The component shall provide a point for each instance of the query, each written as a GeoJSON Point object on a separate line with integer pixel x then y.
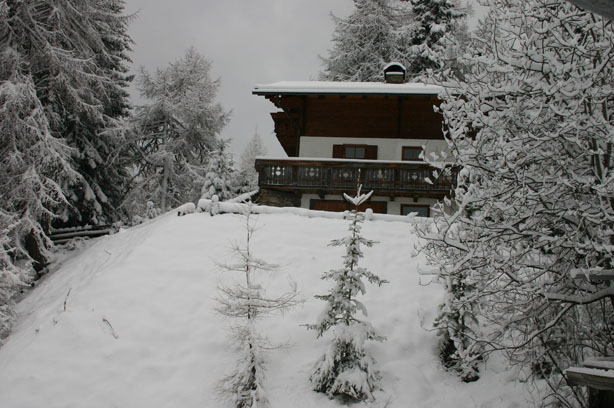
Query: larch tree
{"type": "Point", "coordinates": [245, 302]}
{"type": "Point", "coordinates": [346, 369]}
{"type": "Point", "coordinates": [528, 235]}
{"type": "Point", "coordinates": [174, 133]}
{"type": "Point", "coordinates": [375, 34]}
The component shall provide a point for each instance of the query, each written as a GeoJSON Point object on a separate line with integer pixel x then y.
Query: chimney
{"type": "Point", "coordinates": [394, 73]}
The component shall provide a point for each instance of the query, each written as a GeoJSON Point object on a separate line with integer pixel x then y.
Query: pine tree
{"type": "Point", "coordinates": [173, 135]}
{"type": "Point", "coordinates": [375, 34]}
{"type": "Point", "coordinates": [347, 369]}
{"type": "Point", "coordinates": [434, 18]}
{"type": "Point", "coordinates": [219, 174]}
{"type": "Point", "coordinates": [74, 55]}
{"type": "Point", "coordinates": [246, 303]}
{"type": "Point", "coordinates": [530, 125]}
{"type": "Point", "coordinates": [62, 65]}
{"type": "Point", "coordinates": [104, 174]}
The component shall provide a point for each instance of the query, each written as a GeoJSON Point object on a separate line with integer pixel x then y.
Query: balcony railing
{"type": "Point", "coordinates": [326, 175]}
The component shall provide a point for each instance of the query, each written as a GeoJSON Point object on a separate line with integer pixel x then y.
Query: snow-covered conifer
{"type": "Point", "coordinates": [248, 176]}
{"type": "Point", "coordinates": [219, 174]}
{"type": "Point", "coordinates": [530, 126]}
{"type": "Point", "coordinates": [73, 54]}
{"type": "Point", "coordinates": [245, 302]}
{"type": "Point", "coordinates": [173, 134]}
{"type": "Point", "coordinates": [455, 324]}
{"type": "Point", "coordinates": [375, 34]}
{"type": "Point", "coordinates": [346, 369]}
{"type": "Point", "coordinates": [433, 19]}
{"type": "Point", "coordinates": [36, 168]}
{"type": "Point", "coordinates": [12, 277]}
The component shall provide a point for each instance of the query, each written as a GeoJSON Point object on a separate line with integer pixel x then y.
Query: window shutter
{"type": "Point", "coordinates": [371, 153]}
{"type": "Point", "coordinates": [338, 152]}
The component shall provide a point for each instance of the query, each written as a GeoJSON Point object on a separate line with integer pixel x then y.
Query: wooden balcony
{"type": "Point", "coordinates": [335, 176]}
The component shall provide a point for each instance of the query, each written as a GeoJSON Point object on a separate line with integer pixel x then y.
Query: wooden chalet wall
{"type": "Point", "coordinates": [355, 116]}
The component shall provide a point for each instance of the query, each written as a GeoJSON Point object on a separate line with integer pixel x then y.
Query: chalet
{"type": "Point", "coordinates": [341, 134]}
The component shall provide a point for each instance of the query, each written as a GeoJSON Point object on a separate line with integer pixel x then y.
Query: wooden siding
{"type": "Point", "coordinates": [418, 118]}
{"type": "Point", "coordinates": [355, 116]}
{"type": "Point", "coordinates": [290, 122]}
{"type": "Point", "coordinates": [352, 116]}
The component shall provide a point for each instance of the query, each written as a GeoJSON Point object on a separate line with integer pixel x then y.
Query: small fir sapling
{"type": "Point", "coordinates": [219, 174]}
{"type": "Point", "coordinates": [455, 321]}
{"type": "Point", "coordinates": [244, 302]}
{"type": "Point", "coordinates": [346, 370]}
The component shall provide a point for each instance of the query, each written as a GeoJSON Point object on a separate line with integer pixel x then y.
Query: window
{"type": "Point", "coordinates": [355, 151]}
{"type": "Point", "coordinates": [352, 152]}
{"type": "Point", "coordinates": [412, 153]}
{"type": "Point", "coordinates": [422, 210]}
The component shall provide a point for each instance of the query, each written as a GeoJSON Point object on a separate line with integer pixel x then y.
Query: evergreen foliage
{"type": "Point", "coordinates": [455, 323]}
{"type": "Point", "coordinates": [73, 54]}
{"type": "Point", "coordinates": [61, 86]}
{"type": "Point", "coordinates": [219, 174]}
{"type": "Point", "coordinates": [173, 134]}
{"type": "Point", "coordinates": [529, 123]}
{"type": "Point", "coordinates": [248, 176]}
{"type": "Point", "coordinates": [346, 369]}
{"type": "Point", "coordinates": [375, 34]}
{"type": "Point", "coordinates": [245, 302]}
{"type": "Point", "coordinates": [433, 19]}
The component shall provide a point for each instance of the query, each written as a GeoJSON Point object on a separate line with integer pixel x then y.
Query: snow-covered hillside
{"type": "Point", "coordinates": [129, 322]}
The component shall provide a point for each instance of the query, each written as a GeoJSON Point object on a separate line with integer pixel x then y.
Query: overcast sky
{"type": "Point", "coordinates": [249, 42]}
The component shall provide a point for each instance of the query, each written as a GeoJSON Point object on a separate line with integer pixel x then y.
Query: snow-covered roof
{"type": "Point", "coordinates": [345, 88]}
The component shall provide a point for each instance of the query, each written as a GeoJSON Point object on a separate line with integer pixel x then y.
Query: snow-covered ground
{"type": "Point", "coordinates": [138, 327]}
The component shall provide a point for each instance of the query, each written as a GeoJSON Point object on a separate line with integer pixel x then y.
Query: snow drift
{"type": "Point", "coordinates": [129, 321]}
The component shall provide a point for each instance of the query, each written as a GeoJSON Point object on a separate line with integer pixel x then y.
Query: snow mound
{"type": "Point", "coordinates": [130, 320]}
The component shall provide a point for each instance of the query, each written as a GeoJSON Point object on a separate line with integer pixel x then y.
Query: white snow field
{"type": "Point", "coordinates": [138, 328]}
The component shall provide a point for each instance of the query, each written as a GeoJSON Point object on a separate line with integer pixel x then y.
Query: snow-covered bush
{"type": "Point", "coordinates": [245, 302]}
{"type": "Point", "coordinates": [187, 208]}
{"type": "Point", "coordinates": [530, 125]}
{"type": "Point", "coordinates": [12, 277]}
{"type": "Point", "coordinates": [346, 369]}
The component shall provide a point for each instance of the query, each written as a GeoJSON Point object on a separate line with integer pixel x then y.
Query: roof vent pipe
{"type": "Point", "coordinates": [394, 73]}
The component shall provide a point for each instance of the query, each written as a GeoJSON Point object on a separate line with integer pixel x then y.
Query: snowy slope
{"type": "Point", "coordinates": [139, 330]}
